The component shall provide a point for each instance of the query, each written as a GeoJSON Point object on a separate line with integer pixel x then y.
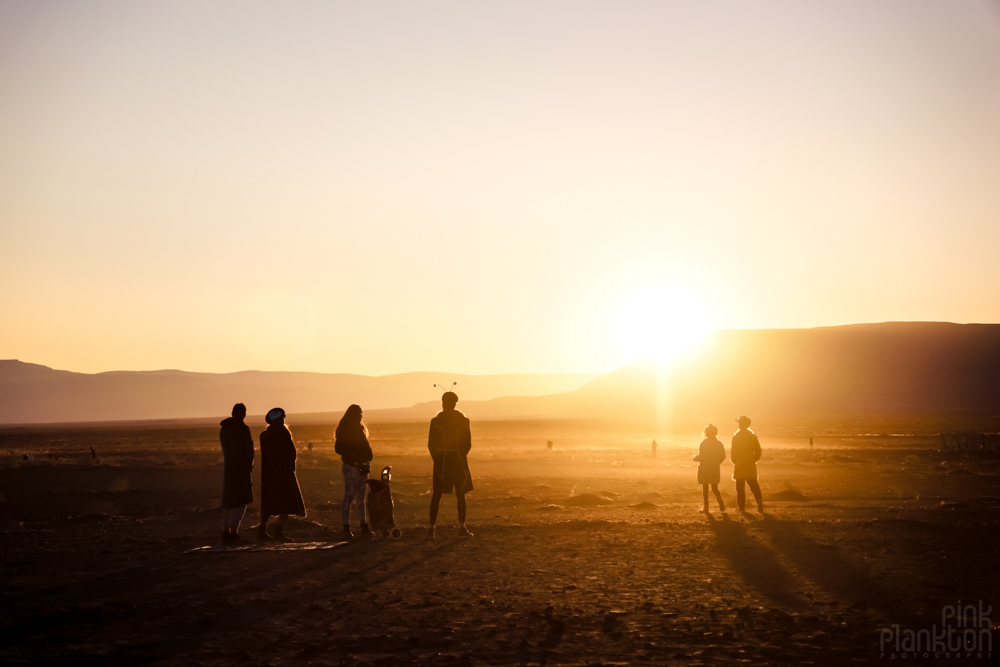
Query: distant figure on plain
{"type": "Point", "coordinates": [654, 450]}
{"type": "Point", "coordinates": [237, 489]}
{"type": "Point", "coordinates": [93, 452]}
{"type": "Point", "coordinates": [449, 441]}
{"type": "Point", "coordinates": [548, 443]}
{"type": "Point", "coordinates": [356, 454]}
{"type": "Point", "coordinates": [279, 489]}
{"type": "Point", "coordinates": [745, 454]}
{"type": "Point", "coordinates": [711, 454]}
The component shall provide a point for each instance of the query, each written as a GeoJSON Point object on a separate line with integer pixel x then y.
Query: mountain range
{"type": "Point", "coordinates": [861, 369]}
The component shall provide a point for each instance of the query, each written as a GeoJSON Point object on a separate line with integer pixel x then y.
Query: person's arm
{"type": "Point", "coordinates": [757, 453]}
{"type": "Point", "coordinates": [466, 440]}
{"type": "Point", "coordinates": [248, 445]}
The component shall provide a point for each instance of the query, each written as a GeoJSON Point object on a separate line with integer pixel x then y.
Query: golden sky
{"type": "Point", "coordinates": [484, 187]}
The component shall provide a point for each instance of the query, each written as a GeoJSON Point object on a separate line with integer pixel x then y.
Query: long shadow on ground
{"type": "Point", "coordinates": [754, 562]}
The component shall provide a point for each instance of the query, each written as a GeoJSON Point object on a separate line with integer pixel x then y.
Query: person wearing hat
{"type": "Point", "coordinates": [279, 489]}
{"type": "Point", "coordinates": [745, 453]}
{"type": "Point", "coordinates": [449, 441]}
{"type": "Point", "coordinates": [237, 489]}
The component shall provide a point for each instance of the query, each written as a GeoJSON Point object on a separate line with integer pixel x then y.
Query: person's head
{"type": "Point", "coordinates": [743, 421]}
{"type": "Point", "coordinates": [352, 420]}
{"type": "Point", "coordinates": [448, 400]}
{"type": "Point", "coordinates": [711, 431]}
{"type": "Point", "coordinates": [239, 411]}
{"type": "Point", "coordinates": [275, 417]}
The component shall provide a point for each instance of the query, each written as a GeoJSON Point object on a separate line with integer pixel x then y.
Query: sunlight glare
{"type": "Point", "coordinates": [661, 321]}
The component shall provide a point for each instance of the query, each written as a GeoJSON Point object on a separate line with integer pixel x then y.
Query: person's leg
{"type": "Point", "coordinates": [462, 529]}
{"type": "Point", "coordinates": [460, 497]}
{"type": "Point", "coordinates": [718, 496]}
{"type": "Point", "coordinates": [279, 530]}
{"type": "Point", "coordinates": [345, 506]}
{"type": "Point", "coordinates": [704, 493]}
{"type": "Point", "coordinates": [755, 488]}
{"type": "Point", "coordinates": [262, 528]}
{"type": "Point", "coordinates": [435, 505]}
{"type": "Point", "coordinates": [741, 494]}
{"type": "Point", "coordinates": [360, 497]}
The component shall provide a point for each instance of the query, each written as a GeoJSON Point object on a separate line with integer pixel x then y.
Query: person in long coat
{"type": "Point", "coordinates": [449, 441]}
{"type": "Point", "coordinates": [745, 454]}
{"type": "Point", "coordinates": [237, 489]}
{"type": "Point", "coordinates": [356, 455]}
{"type": "Point", "coordinates": [711, 454]}
{"type": "Point", "coordinates": [279, 489]}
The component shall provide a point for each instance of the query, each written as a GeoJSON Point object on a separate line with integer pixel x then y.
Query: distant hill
{"type": "Point", "coordinates": [30, 393]}
{"type": "Point", "coordinates": [864, 369]}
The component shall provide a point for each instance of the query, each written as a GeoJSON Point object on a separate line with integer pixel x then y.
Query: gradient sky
{"type": "Point", "coordinates": [479, 187]}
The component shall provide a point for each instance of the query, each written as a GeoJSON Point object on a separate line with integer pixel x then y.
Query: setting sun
{"type": "Point", "coordinates": [661, 321]}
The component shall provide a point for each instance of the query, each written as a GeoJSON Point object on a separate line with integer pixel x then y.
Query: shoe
{"type": "Point", "coordinates": [366, 531]}
{"type": "Point", "coordinates": [227, 537]}
{"type": "Point", "coordinates": [464, 532]}
{"type": "Point", "coordinates": [347, 532]}
{"type": "Point", "coordinates": [279, 535]}
{"type": "Point", "coordinates": [430, 533]}
{"type": "Point", "coordinates": [262, 535]}
{"type": "Point", "coordinates": [760, 509]}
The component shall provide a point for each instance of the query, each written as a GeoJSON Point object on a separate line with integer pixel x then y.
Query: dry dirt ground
{"type": "Point", "coordinates": [592, 553]}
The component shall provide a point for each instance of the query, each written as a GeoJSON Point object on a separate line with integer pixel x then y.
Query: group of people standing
{"type": "Point", "coordinates": [449, 442]}
{"type": "Point", "coordinates": [745, 453]}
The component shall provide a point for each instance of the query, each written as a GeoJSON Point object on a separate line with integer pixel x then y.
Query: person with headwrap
{"type": "Point", "coordinates": [449, 441]}
{"type": "Point", "coordinates": [237, 489]}
{"type": "Point", "coordinates": [356, 454]}
{"type": "Point", "coordinates": [279, 489]}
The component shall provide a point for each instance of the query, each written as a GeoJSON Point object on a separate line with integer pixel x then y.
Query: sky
{"type": "Point", "coordinates": [377, 188]}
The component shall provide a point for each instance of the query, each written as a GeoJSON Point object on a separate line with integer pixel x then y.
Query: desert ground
{"type": "Point", "coordinates": [591, 553]}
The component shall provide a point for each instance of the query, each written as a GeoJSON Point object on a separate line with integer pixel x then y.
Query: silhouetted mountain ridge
{"type": "Point", "coordinates": [887, 368]}
{"type": "Point", "coordinates": [31, 393]}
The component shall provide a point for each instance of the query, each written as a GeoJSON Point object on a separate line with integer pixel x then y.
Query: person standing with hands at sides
{"type": "Point", "coordinates": [356, 453]}
{"type": "Point", "coordinates": [237, 489]}
{"type": "Point", "coordinates": [279, 489]}
{"type": "Point", "coordinates": [711, 454]}
{"type": "Point", "coordinates": [745, 454]}
{"type": "Point", "coordinates": [449, 442]}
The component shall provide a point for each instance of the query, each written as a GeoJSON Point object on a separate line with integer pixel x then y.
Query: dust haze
{"type": "Point", "coordinates": [588, 552]}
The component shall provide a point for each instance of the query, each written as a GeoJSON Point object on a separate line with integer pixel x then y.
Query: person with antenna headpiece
{"type": "Point", "coordinates": [449, 441]}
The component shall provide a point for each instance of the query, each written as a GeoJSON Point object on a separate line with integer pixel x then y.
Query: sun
{"type": "Point", "coordinates": [661, 321]}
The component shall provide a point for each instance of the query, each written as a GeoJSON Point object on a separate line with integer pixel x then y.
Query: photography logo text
{"type": "Point", "coordinates": [966, 632]}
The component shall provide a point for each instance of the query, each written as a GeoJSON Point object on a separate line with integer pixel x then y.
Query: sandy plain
{"type": "Point", "coordinates": [593, 553]}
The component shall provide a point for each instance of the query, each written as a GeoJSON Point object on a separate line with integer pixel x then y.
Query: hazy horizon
{"type": "Point", "coordinates": [509, 187]}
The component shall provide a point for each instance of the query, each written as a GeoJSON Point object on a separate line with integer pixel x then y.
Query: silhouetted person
{"type": "Point", "coordinates": [449, 442]}
{"type": "Point", "coordinates": [356, 453]}
{"type": "Point", "coordinates": [93, 453]}
{"type": "Point", "coordinates": [548, 443]}
{"type": "Point", "coordinates": [237, 489]}
{"type": "Point", "coordinates": [654, 449]}
{"type": "Point", "coordinates": [279, 489]}
{"type": "Point", "coordinates": [711, 454]}
{"type": "Point", "coordinates": [745, 454]}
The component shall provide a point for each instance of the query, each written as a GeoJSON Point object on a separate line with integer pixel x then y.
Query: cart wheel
{"type": "Point", "coordinates": [396, 533]}
{"type": "Point", "coordinates": [385, 533]}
